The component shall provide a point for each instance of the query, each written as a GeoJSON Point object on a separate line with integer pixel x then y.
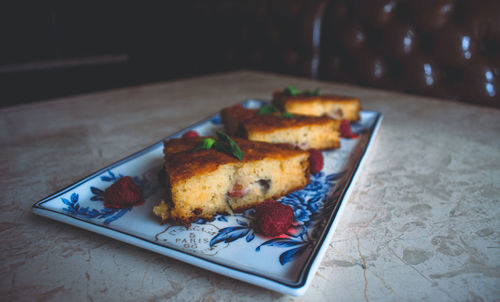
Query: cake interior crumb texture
{"type": "Point", "coordinates": [319, 136]}
{"type": "Point", "coordinates": [305, 132]}
{"type": "Point", "coordinates": [338, 107]}
{"type": "Point", "coordinates": [204, 189]}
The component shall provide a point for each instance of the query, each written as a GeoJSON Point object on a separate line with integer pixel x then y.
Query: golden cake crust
{"type": "Point", "coordinates": [270, 122]}
{"type": "Point", "coordinates": [279, 97]}
{"type": "Point", "coordinates": [182, 163]}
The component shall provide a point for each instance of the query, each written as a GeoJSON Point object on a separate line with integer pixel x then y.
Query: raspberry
{"type": "Point", "coordinates": [273, 218]}
{"type": "Point", "coordinates": [191, 133]}
{"type": "Point", "coordinates": [315, 160]}
{"type": "Point", "coordinates": [123, 193]}
{"type": "Point", "coordinates": [345, 129]}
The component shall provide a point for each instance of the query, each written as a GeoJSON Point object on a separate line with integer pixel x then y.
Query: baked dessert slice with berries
{"type": "Point", "coordinates": [269, 125]}
{"type": "Point", "coordinates": [203, 181]}
{"type": "Point", "coordinates": [316, 104]}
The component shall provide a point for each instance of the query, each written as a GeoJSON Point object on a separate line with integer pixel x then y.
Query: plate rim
{"type": "Point", "coordinates": [296, 288]}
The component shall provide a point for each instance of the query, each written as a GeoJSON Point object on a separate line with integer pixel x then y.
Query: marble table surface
{"type": "Point", "coordinates": [421, 224]}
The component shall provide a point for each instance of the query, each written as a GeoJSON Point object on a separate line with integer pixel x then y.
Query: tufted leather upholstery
{"type": "Point", "coordinates": [444, 48]}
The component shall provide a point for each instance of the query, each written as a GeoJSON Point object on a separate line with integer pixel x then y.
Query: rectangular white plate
{"type": "Point", "coordinates": [227, 245]}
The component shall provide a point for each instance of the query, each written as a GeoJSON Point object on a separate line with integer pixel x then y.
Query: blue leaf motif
{"type": "Point", "coordinates": [216, 120]}
{"type": "Point", "coordinates": [111, 177]}
{"type": "Point", "coordinates": [292, 254]}
{"type": "Point", "coordinates": [299, 207]}
{"type": "Point", "coordinates": [242, 223]}
{"type": "Point", "coordinates": [250, 236]}
{"type": "Point", "coordinates": [229, 234]}
{"type": "Point", "coordinates": [222, 218]}
{"type": "Point", "coordinates": [67, 202]}
{"type": "Point", "coordinates": [315, 203]}
{"type": "Point", "coordinates": [314, 186]}
{"type": "Point", "coordinates": [248, 214]}
{"type": "Point", "coordinates": [96, 191]}
{"type": "Point", "coordinates": [321, 174]}
{"type": "Point", "coordinates": [279, 242]}
{"type": "Point", "coordinates": [335, 176]}
{"type": "Point", "coordinates": [117, 215]}
{"type": "Point", "coordinates": [94, 213]}
{"type": "Point", "coordinates": [109, 214]}
{"type": "Point", "coordinates": [301, 213]}
{"type": "Point", "coordinates": [294, 198]}
{"type": "Point", "coordinates": [356, 128]}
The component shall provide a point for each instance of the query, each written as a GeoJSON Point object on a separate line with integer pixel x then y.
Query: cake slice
{"type": "Point", "coordinates": [337, 107]}
{"type": "Point", "coordinates": [202, 183]}
{"type": "Point", "coordinates": [306, 132]}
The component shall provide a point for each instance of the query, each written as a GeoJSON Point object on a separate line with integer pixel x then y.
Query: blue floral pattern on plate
{"type": "Point", "coordinates": [74, 208]}
{"type": "Point", "coordinates": [306, 205]}
{"type": "Point", "coordinates": [228, 244]}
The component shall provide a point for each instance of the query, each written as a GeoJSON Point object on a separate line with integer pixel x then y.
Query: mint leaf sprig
{"type": "Point", "coordinates": [268, 109]}
{"type": "Point", "coordinates": [228, 145]}
{"type": "Point", "coordinates": [271, 109]}
{"type": "Point", "coordinates": [292, 91]}
{"type": "Point", "coordinates": [224, 143]}
{"type": "Point", "coordinates": [204, 144]}
{"type": "Point", "coordinates": [287, 115]}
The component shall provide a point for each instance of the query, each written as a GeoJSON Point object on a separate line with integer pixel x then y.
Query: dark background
{"type": "Point", "coordinates": [443, 48]}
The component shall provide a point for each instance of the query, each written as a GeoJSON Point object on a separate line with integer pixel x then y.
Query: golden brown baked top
{"type": "Point", "coordinates": [279, 98]}
{"type": "Point", "coordinates": [182, 163]}
{"type": "Point", "coordinates": [238, 112]}
{"type": "Point", "coordinates": [252, 121]}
